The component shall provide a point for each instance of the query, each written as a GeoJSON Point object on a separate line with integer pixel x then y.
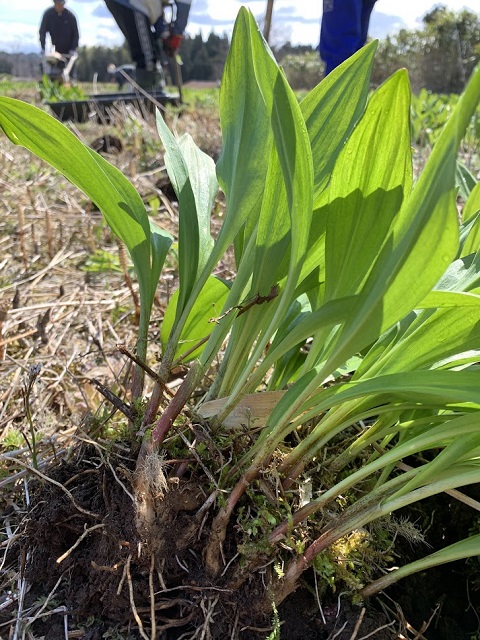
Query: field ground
{"type": "Point", "coordinates": [67, 301]}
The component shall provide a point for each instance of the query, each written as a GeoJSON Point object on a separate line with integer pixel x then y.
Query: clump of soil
{"type": "Point", "coordinates": [81, 542]}
{"type": "Point", "coordinates": [449, 594]}
{"type": "Point", "coordinates": [81, 549]}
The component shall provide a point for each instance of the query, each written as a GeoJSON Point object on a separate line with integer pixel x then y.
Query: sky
{"type": "Point", "coordinates": [297, 21]}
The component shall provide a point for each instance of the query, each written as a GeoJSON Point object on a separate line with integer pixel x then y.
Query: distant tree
{"type": "Point", "coordinates": [403, 50]}
{"type": "Point", "coordinates": [217, 51]}
{"type": "Point", "coordinates": [25, 65]}
{"type": "Point", "coordinates": [202, 68]}
{"type": "Point", "coordinates": [304, 70]}
{"type": "Point", "coordinates": [288, 48]}
{"type": "Point", "coordinates": [197, 45]}
{"type": "Point", "coordinates": [452, 48]}
{"type": "Point", "coordinates": [93, 62]}
{"type": "Point", "coordinates": [204, 60]}
{"type": "Point", "coordinates": [212, 45]}
{"type": "Point", "coordinates": [6, 65]}
{"type": "Point", "coordinates": [440, 57]}
{"type": "Point", "coordinates": [186, 56]}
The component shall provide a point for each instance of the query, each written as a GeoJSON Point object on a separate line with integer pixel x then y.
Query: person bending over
{"type": "Point", "coordinates": [144, 27]}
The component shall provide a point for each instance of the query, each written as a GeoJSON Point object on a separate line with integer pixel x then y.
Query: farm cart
{"type": "Point", "coordinates": [99, 106]}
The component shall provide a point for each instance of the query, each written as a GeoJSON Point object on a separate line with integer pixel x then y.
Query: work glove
{"type": "Point", "coordinates": [172, 44]}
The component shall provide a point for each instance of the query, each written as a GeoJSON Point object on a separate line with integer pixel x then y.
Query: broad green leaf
{"type": "Point", "coordinates": [104, 184]}
{"type": "Point", "coordinates": [462, 275]}
{"type": "Point", "coordinates": [282, 367]}
{"type": "Point", "coordinates": [465, 181]}
{"type": "Point", "coordinates": [286, 209]}
{"type": "Point", "coordinates": [423, 242]}
{"type": "Point", "coordinates": [429, 387]}
{"type": "Point", "coordinates": [462, 445]}
{"type": "Point", "coordinates": [161, 243]}
{"type": "Point", "coordinates": [247, 331]}
{"type": "Point", "coordinates": [369, 182]}
{"type": "Point", "coordinates": [332, 109]}
{"type": "Point", "coordinates": [329, 126]}
{"type": "Point", "coordinates": [295, 160]}
{"type": "Point", "coordinates": [471, 213]}
{"type": "Point", "coordinates": [465, 229]}
{"type": "Point", "coordinates": [409, 264]}
{"type": "Point", "coordinates": [312, 276]}
{"type": "Point", "coordinates": [447, 299]}
{"type": "Point", "coordinates": [457, 437]}
{"type": "Point", "coordinates": [192, 173]}
{"type": "Point", "coordinates": [434, 336]}
{"type": "Point", "coordinates": [328, 315]}
{"type": "Point", "coordinates": [273, 237]}
{"type": "Point", "coordinates": [351, 401]}
{"type": "Point", "coordinates": [246, 134]}
{"type": "Point", "coordinates": [287, 368]}
{"type": "Point", "coordinates": [201, 319]}
{"type": "Point", "coordinates": [472, 205]}
{"type": "Point", "coordinates": [463, 474]}
{"type": "Point", "coordinates": [241, 170]}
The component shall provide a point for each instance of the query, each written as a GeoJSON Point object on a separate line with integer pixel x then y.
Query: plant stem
{"type": "Point", "coordinates": [32, 376]}
{"type": "Point", "coordinates": [177, 403]}
{"type": "Point", "coordinates": [220, 523]}
{"type": "Point", "coordinates": [374, 505]}
{"type": "Point", "coordinates": [463, 549]}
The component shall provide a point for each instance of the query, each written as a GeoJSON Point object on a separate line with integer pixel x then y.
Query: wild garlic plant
{"type": "Point", "coordinates": [344, 264]}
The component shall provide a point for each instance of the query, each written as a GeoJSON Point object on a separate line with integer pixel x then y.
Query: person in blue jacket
{"type": "Point", "coordinates": [344, 30]}
{"type": "Point", "coordinates": [144, 27]}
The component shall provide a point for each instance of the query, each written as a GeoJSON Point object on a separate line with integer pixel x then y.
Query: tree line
{"type": "Point", "coordinates": [439, 56]}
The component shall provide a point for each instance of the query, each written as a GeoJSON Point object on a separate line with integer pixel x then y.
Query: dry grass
{"type": "Point", "coordinates": [66, 295]}
{"type": "Point", "coordinates": [68, 298]}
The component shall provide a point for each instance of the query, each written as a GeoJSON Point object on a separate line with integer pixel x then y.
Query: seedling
{"type": "Point", "coordinates": [343, 264]}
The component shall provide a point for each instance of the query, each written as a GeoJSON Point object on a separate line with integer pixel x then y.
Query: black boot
{"type": "Point", "coordinates": [152, 81]}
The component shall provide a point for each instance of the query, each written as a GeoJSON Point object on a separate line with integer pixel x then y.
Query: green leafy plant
{"type": "Point", "coordinates": [51, 91]}
{"type": "Point", "coordinates": [348, 339]}
{"type": "Point", "coordinates": [13, 439]}
{"type": "Point", "coordinates": [101, 261]}
{"type": "Point", "coordinates": [430, 113]}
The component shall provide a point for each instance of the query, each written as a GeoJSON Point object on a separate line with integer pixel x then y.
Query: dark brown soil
{"type": "Point", "coordinates": [101, 580]}
{"type": "Point", "coordinates": [451, 592]}
{"type": "Point", "coordinates": [302, 619]}
{"type": "Point", "coordinates": [81, 545]}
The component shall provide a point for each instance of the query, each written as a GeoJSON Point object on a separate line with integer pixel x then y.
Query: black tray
{"type": "Point", "coordinates": [98, 106]}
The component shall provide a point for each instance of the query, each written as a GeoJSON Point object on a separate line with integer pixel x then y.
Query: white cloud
{"type": "Point", "coordinates": [294, 20]}
{"type": "Point", "coordinates": [411, 11]}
